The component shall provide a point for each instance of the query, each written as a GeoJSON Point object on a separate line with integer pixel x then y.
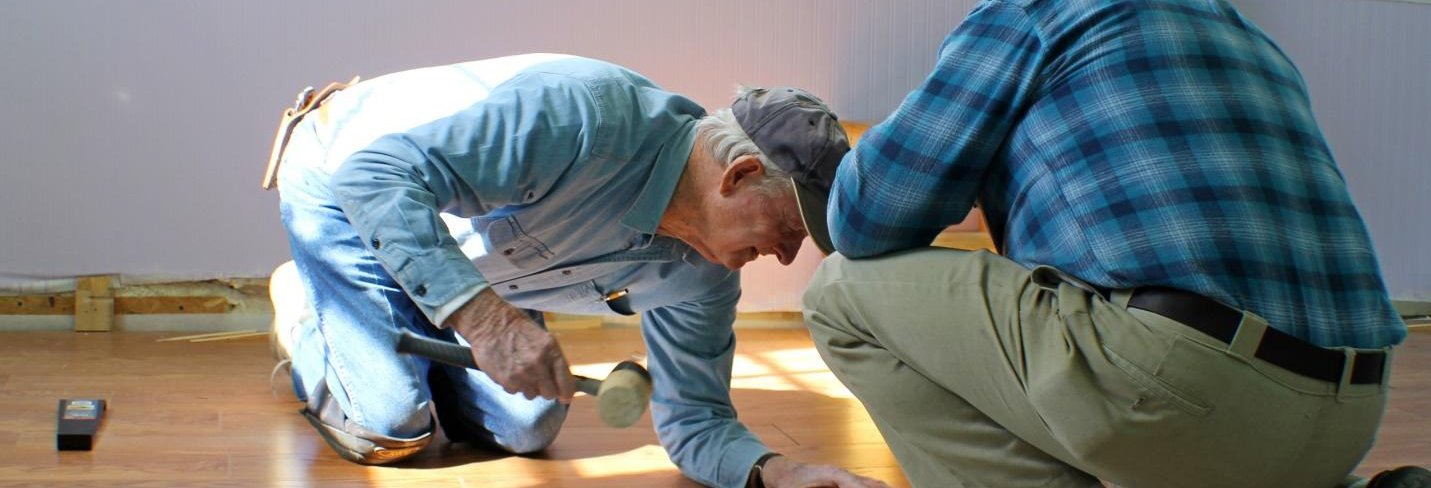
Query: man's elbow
{"type": "Point", "coordinates": [364, 173]}
{"type": "Point", "coordinates": [346, 182]}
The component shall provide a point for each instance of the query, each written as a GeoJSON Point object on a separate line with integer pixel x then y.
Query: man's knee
{"type": "Point", "coordinates": [531, 431]}
{"type": "Point", "coordinates": [825, 274]}
{"type": "Point", "coordinates": [399, 423]}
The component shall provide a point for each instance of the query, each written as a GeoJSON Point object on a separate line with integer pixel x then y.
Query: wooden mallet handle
{"type": "Point", "coordinates": [620, 399]}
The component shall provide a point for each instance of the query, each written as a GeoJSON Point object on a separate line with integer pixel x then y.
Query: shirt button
{"type": "Point", "coordinates": [566, 272]}
{"type": "Point", "coordinates": [508, 251]}
{"type": "Point", "coordinates": [377, 244]}
{"type": "Point", "coordinates": [420, 291]}
{"type": "Point", "coordinates": [511, 287]}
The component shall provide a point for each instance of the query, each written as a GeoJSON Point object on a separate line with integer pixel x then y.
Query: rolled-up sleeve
{"type": "Point", "coordinates": [508, 149]}
{"type": "Point", "coordinates": [691, 350]}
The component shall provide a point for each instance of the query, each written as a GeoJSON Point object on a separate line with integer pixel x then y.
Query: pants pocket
{"type": "Point", "coordinates": [1155, 389]}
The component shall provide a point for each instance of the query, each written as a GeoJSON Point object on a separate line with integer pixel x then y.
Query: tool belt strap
{"type": "Point", "coordinates": [308, 100]}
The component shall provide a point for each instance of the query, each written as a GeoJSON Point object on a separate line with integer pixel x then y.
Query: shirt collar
{"type": "Point", "coordinates": [645, 215]}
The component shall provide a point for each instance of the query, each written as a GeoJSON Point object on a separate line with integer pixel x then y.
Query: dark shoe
{"type": "Point", "coordinates": [1403, 477]}
{"type": "Point", "coordinates": [352, 441]}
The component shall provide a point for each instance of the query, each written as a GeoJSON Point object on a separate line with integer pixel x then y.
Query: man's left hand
{"type": "Point", "coordinates": [783, 472]}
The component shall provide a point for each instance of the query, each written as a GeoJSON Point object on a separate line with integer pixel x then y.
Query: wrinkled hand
{"type": "Point", "coordinates": [512, 349]}
{"type": "Point", "coordinates": [783, 472]}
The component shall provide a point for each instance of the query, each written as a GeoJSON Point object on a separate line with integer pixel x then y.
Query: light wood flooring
{"type": "Point", "coordinates": [202, 414]}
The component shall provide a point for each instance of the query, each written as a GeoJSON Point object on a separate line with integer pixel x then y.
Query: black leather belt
{"type": "Point", "coordinates": [1277, 347]}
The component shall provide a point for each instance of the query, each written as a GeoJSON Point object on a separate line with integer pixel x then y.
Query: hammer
{"type": "Point", "coordinates": [620, 399]}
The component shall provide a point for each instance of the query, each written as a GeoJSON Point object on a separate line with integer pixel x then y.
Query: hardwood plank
{"type": "Point", "coordinates": [964, 240]}
{"type": "Point", "coordinates": [106, 465]}
{"type": "Point", "coordinates": [202, 414]}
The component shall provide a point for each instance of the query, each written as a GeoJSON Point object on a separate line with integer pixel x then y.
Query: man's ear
{"type": "Point", "coordinates": [745, 169]}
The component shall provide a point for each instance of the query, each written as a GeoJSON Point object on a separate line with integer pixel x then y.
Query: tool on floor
{"type": "Point", "coordinates": [620, 399]}
{"type": "Point", "coordinates": [77, 422]}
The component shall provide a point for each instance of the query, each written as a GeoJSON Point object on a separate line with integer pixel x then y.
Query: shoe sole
{"type": "Point", "coordinates": [1405, 477]}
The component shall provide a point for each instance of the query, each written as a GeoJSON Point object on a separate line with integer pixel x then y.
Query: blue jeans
{"type": "Point", "coordinates": [360, 312]}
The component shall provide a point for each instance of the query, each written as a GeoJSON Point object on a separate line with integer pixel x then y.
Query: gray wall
{"type": "Point", "coordinates": [134, 132]}
{"type": "Point", "coordinates": [1368, 66]}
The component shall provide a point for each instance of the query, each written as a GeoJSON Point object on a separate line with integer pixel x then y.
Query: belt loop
{"type": "Point", "coordinates": [1348, 363]}
{"type": "Point", "coordinates": [1121, 297]}
{"type": "Point", "coordinates": [1076, 282]}
{"type": "Point", "coordinates": [1249, 336]}
{"type": "Point", "coordinates": [1046, 277]}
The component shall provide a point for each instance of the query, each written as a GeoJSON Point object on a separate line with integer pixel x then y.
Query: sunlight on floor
{"type": "Point", "coordinates": [516, 472]}
{"type": "Point", "coordinates": [644, 459]}
{"type": "Point", "coordinates": [797, 369]}
{"type": "Point", "coordinates": [291, 470]}
{"type": "Point", "coordinates": [788, 369]}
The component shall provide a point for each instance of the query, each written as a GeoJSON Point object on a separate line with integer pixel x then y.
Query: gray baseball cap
{"type": "Point", "coordinates": [800, 135]}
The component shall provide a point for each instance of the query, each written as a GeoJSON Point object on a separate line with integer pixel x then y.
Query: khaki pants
{"type": "Point", "coordinates": [980, 372]}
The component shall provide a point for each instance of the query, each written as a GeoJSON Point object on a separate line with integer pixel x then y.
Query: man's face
{"type": "Point", "coordinates": [754, 223]}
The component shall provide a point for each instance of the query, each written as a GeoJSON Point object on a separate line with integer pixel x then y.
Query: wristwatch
{"type": "Point", "coordinates": [757, 472]}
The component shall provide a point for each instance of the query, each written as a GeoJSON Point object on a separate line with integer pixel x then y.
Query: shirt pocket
{"type": "Point", "coordinates": [507, 241]}
{"type": "Point", "coordinates": [576, 298]}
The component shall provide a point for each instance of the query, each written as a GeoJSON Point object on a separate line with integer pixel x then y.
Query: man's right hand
{"type": "Point", "coordinates": [512, 349]}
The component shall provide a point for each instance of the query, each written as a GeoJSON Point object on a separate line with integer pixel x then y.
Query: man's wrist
{"type": "Point", "coordinates": [757, 471]}
{"type": "Point", "coordinates": [479, 315]}
{"type": "Point", "coordinates": [446, 311]}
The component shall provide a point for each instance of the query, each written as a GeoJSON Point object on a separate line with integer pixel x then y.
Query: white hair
{"type": "Point", "coordinates": [723, 138]}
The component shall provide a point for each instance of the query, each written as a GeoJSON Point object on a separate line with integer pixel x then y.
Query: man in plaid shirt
{"type": "Point", "coordinates": [1187, 296]}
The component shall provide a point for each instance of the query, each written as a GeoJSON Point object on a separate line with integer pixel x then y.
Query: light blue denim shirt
{"type": "Point", "coordinates": [561, 168]}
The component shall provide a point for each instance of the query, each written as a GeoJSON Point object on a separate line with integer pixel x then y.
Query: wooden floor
{"type": "Point", "coordinates": [202, 414]}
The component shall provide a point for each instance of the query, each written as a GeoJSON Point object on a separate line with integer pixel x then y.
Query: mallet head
{"type": "Point", "coordinates": [624, 394]}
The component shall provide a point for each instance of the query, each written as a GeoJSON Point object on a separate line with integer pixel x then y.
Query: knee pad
{"type": "Point", "coordinates": [352, 441]}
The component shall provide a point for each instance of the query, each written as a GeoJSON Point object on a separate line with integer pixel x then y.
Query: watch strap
{"type": "Point", "coordinates": [757, 471]}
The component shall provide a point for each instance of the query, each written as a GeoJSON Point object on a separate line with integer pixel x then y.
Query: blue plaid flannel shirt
{"type": "Point", "coordinates": [1128, 143]}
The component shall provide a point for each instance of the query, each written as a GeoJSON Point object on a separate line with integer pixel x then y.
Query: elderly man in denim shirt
{"type": "Point", "coordinates": [577, 180]}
